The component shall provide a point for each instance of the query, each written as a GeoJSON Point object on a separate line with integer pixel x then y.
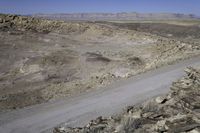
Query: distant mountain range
{"type": "Point", "coordinates": [117, 16]}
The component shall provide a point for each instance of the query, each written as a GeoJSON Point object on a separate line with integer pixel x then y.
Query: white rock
{"type": "Point", "coordinates": [160, 99]}
{"type": "Point", "coordinates": [194, 131]}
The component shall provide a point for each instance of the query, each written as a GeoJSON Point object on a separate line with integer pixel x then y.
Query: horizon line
{"type": "Point", "coordinates": [103, 13]}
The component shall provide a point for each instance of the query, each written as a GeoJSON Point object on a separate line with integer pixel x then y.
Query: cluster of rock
{"type": "Point", "coordinates": [171, 50]}
{"type": "Point", "coordinates": [13, 23]}
{"type": "Point", "coordinates": [176, 112]}
{"type": "Point", "coordinates": [25, 23]}
{"type": "Point", "coordinates": [170, 46]}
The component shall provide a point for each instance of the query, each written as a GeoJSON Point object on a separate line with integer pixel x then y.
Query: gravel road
{"type": "Point", "coordinates": [106, 101]}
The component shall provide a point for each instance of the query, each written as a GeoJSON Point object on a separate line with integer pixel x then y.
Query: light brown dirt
{"type": "Point", "coordinates": [44, 60]}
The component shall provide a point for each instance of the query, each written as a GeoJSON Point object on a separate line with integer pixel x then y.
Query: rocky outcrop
{"type": "Point", "coordinates": [24, 23]}
{"type": "Point", "coordinates": [176, 112]}
{"type": "Point", "coordinates": [16, 23]}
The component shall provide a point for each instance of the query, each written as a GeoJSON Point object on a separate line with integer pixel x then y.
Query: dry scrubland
{"type": "Point", "coordinates": [42, 60]}
{"type": "Point", "coordinates": [175, 112]}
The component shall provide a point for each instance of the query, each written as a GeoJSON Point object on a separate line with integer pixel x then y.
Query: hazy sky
{"type": "Point", "coordinates": [74, 6]}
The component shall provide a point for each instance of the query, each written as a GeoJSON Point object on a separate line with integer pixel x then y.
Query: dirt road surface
{"type": "Point", "coordinates": [104, 102]}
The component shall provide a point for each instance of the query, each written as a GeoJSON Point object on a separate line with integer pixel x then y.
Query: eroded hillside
{"type": "Point", "coordinates": [44, 60]}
